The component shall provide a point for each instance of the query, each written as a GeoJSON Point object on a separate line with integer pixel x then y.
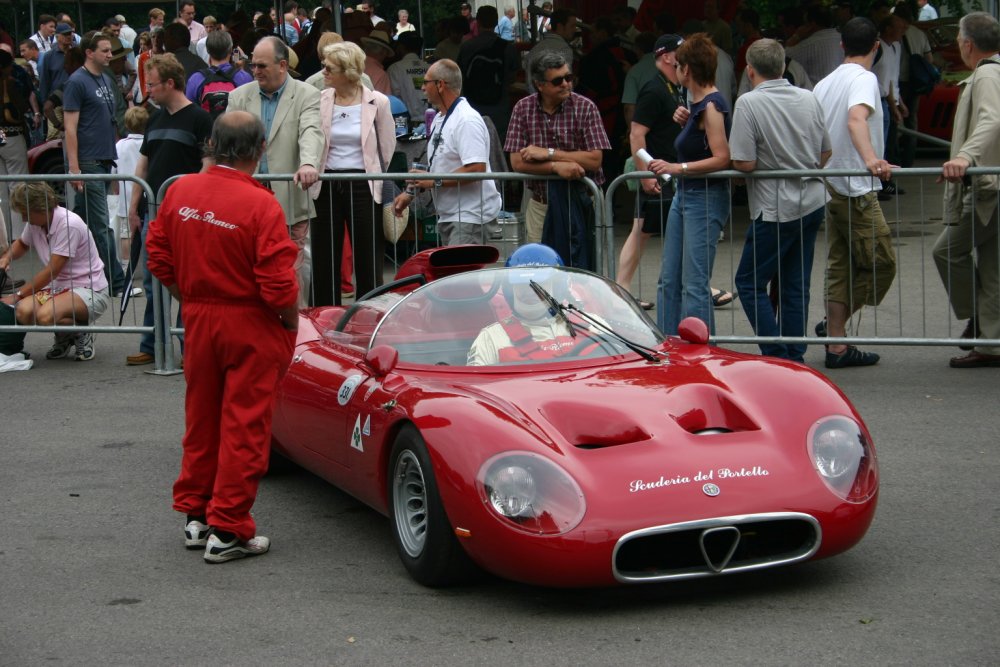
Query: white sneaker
{"type": "Point", "coordinates": [217, 551]}
{"type": "Point", "coordinates": [196, 535]}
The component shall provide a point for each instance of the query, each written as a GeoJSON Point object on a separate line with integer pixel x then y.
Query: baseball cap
{"type": "Point", "coordinates": [64, 29]}
{"type": "Point", "coordinates": [666, 44]}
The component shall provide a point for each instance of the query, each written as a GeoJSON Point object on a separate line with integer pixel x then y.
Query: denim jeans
{"type": "Point", "coordinates": [92, 206]}
{"type": "Point", "coordinates": [696, 219]}
{"type": "Point", "coordinates": [782, 252]}
{"type": "Point", "coordinates": [146, 343]}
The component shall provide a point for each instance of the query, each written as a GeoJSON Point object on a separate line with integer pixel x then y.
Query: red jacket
{"type": "Point", "coordinates": [221, 236]}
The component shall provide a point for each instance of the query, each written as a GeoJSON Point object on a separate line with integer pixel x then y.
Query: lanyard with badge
{"type": "Point", "coordinates": [437, 138]}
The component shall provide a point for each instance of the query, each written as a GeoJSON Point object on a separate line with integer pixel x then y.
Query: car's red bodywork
{"type": "Point", "coordinates": [711, 436]}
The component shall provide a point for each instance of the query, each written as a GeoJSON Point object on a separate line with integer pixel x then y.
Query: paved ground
{"type": "Point", "coordinates": [94, 571]}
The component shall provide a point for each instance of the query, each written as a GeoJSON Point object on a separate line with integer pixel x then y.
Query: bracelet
{"type": "Point", "coordinates": [410, 191]}
{"type": "Point", "coordinates": [74, 173]}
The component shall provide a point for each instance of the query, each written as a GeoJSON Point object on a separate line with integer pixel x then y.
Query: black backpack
{"type": "Point", "coordinates": [483, 81]}
{"type": "Point", "coordinates": [213, 93]}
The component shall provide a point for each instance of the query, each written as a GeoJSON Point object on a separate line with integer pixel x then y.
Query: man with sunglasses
{"type": "Point", "coordinates": [458, 143]}
{"type": "Point", "coordinates": [554, 132]}
{"type": "Point", "coordinates": [289, 110]}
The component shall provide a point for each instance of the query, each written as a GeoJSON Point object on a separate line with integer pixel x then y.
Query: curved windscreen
{"type": "Point", "coordinates": [520, 315]}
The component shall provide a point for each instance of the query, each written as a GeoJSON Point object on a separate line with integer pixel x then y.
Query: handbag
{"type": "Point", "coordinates": [393, 225]}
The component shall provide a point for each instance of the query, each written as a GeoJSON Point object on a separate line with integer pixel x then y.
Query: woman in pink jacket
{"type": "Point", "coordinates": [360, 138]}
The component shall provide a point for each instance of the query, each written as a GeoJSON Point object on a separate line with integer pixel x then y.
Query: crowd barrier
{"type": "Point", "coordinates": [123, 310]}
{"type": "Point", "coordinates": [915, 311]}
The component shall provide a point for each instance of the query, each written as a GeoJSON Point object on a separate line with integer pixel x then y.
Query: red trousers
{"type": "Point", "coordinates": [234, 357]}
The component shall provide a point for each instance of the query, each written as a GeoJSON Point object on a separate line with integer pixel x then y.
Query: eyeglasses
{"type": "Point", "coordinates": [153, 84]}
{"type": "Point", "coordinates": [259, 65]}
{"type": "Point", "coordinates": [426, 81]}
{"type": "Point", "coordinates": [332, 70]}
{"type": "Point", "coordinates": [560, 80]}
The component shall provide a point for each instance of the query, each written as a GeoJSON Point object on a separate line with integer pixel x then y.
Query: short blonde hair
{"type": "Point", "coordinates": [325, 40]}
{"type": "Point", "coordinates": [156, 13]}
{"type": "Point", "coordinates": [349, 57]}
{"type": "Point", "coordinates": [33, 196]}
{"type": "Point", "coordinates": [136, 119]}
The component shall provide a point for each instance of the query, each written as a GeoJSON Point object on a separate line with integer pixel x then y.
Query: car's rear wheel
{"type": "Point", "coordinates": [424, 538]}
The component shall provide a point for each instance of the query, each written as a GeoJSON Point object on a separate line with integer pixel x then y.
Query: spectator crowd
{"type": "Point", "coordinates": [544, 94]}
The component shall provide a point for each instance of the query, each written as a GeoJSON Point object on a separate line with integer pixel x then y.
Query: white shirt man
{"type": "Point", "coordinates": [458, 143]}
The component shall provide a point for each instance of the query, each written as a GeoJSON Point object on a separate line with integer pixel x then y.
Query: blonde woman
{"type": "Point", "coordinates": [70, 289]}
{"type": "Point", "coordinates": [360, 137]}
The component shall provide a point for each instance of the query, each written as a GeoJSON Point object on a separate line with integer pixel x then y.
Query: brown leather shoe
{"type": "Point", "coordinates": [140, 359]}
{"type": "Point", "coordinates": [976, 360]}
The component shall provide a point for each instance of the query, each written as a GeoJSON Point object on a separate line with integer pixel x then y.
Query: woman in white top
{"type": "Point", "coordinates": [360, 137]}
{"type": "Point", "coordinates": [404, 24]}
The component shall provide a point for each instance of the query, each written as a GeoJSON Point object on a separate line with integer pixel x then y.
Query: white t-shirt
{"type": "Point", "coordinates": [847, 86]}
{"type": "Point", "coordinates": [128, 157]}
{"type": "Point", "coordinates": [406, 79]}
{"type": "Point", "coordinates": [886, 70]}
{"type": "Point", "coordinates": [345, 139]}
{"type": "Point", "coordinates": [463, 141]}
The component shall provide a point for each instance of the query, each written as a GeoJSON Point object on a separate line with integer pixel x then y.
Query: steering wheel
{"type": "Point", "coordinates": [417, 278]}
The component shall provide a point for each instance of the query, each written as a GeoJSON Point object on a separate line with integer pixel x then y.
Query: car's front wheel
{"type": "Point", "coordinates": [424, 538]}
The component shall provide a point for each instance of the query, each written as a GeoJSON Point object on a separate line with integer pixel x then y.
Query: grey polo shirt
{"type": "Point", "coordinates": [781, 127]}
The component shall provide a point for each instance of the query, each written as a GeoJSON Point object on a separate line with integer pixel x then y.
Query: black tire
{"type": "Point", "coordinates": [424, 538]}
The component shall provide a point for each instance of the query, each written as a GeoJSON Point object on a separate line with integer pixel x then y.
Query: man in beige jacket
{"type": "Point", "coordinates": [289, 110]}
{"type": "Point", "coordinates": [966, 253]}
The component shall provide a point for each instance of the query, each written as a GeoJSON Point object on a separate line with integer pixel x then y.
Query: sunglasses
{"type": "Point", "coordinates": [333, 70]}
{"type": "Point", "coordinates": [560, 80]}
{"type": "Point", "coordinates": [259, 65]}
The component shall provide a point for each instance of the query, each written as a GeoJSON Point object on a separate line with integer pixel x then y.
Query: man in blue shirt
{"type": "Point", "coordinates": [505, 27]}
{"type": "Point", "coordinates": [89, 102]}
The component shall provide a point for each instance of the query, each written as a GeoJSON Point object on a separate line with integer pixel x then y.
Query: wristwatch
{"type": "Point", "coordinates": [684, 168]}
{"type": "Point", "coordinates": [438, 183]}
{"type": "Point", "coordinates": [552, 153]}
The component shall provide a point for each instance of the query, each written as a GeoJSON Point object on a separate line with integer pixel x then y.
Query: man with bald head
{"type": "Point", "coordinates": [229, 260]}
{"type": "Point", "coordinates": [289, 110]}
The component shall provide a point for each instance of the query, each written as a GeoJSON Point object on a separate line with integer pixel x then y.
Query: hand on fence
{"type": "Point", "coordinates": [953, 170]}
{"type": "Point", "coordinates": [651, 186]}
{"type": "Point", "coordinates": [306, 176]}
{"type": "Point", "coordinates": [880, 168]}
{"type": "Point", "coordinates": [568, 170]}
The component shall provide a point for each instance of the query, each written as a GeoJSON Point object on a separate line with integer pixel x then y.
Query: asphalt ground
{"type": "Point", "coordinates": [94, 570]}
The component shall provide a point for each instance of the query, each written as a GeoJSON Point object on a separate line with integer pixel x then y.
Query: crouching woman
{"type": "Point", "coordinates": [70, 289]}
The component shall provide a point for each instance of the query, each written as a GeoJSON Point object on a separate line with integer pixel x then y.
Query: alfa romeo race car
{"type": "Point", "coordinates": [622, 456]}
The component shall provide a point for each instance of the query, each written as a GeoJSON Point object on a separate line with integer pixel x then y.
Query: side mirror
{"type": "Point", "coordinates": [693, 330]}
{"type": "Point", "coordinates": [382, 359]}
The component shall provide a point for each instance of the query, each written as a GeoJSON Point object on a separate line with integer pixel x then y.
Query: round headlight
{"type": "Point", "coordinates": [512, 491]}
{"type": "Point", "coordinates": [843, 458]}
{"type": "Point", "coordinates": [531, 493]}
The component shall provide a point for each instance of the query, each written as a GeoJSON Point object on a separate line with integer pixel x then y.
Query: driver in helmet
{"type": "Point", "coordinates": [532, 331]}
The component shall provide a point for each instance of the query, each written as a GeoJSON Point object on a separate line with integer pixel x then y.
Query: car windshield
{"type": "Point", "coordinates": [521, 315]}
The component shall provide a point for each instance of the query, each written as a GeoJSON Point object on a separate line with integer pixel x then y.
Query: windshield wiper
{"type": "Point", "coordinates": [559, 310]}
{"type": "Point", "coordinates": [555, 309]}
{"type": "Point", "coordinates": [647, 353]}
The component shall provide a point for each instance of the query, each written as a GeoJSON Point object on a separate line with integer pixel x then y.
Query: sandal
{"type": "Point", "coordinates": [721, 298]}
{"type": "Point", "coordinates": [646, 305]}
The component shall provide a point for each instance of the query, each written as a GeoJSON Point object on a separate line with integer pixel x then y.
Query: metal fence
{"type": "Point", "coordinates": [915, 311]}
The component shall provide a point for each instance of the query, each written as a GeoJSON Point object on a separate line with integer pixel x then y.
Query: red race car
{"type": "Point", "coordinates": [605, 455]}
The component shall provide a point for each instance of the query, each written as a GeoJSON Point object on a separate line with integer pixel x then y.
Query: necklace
{"type": "Point", "coordinates": [344, 100]}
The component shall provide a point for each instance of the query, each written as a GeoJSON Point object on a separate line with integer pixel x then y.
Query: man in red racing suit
{"type": "Point", "coordinates": [220, 245]}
